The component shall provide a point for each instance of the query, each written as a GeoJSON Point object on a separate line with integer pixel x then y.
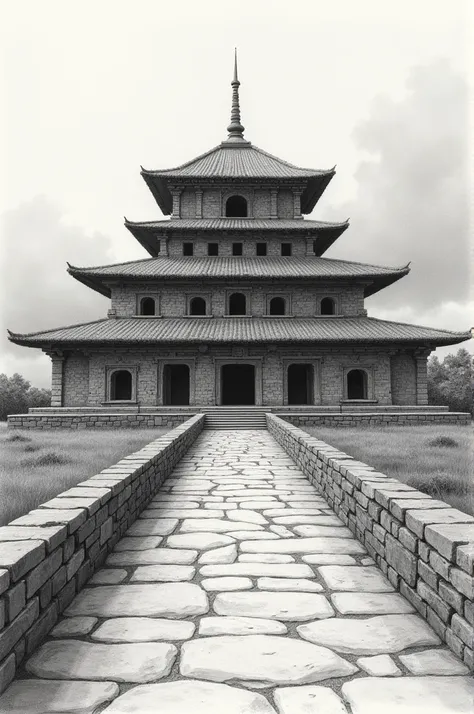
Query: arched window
{"type": "Point", "coordinates": [121, 385]}
{"type": "Point", "coordinates": [237, 304]}
{"type": "Point", "coordinates": [236, 207]}
{"type": "Point", "coordinates": [357, 384]}
{"type": "Point", "coordinates": [328, 306]}
{"type": "Point", "coordinates": [277, 306]}
{"type": "Point", "coordinates": [197, 306]}
{"type": "Point", "coordinates": [147, 306]}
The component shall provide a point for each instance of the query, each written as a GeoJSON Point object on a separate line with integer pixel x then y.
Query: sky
{"type": "Point", "coordinates": [91, 91]}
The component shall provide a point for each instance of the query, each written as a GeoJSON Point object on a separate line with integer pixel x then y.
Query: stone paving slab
{"type": "Point", "coordinates": [239, 591]}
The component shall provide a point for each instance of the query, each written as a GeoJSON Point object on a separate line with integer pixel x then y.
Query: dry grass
{"type": "Point", "coordinates": [436, 460]}
{"type": "Point", "coordinates": [35, 466]}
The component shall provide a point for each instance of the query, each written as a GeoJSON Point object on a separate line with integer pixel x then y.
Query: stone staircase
{"type": "Point", "coordinates": [245, 417]}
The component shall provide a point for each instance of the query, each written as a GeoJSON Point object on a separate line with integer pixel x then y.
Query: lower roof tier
{"type": "Point", "coordinates": [212, 269]}
{"type": "Point", "coordinates": [195, 331]}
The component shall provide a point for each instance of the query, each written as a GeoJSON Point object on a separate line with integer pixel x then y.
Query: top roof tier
{"type": "Point", "coordinates": [237, 160]}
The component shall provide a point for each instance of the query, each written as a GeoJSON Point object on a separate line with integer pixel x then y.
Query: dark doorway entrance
{"type": "Point", "coordinates": [238, 384]}
{"type": "Point", "coordinates": [176, 384]}
{"type": "Point", "coordinates": [300, 384]}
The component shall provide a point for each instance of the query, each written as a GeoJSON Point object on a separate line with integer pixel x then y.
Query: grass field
{"type": "Point", "coordinates": [37, 465]}
{"type": "Point", "coordinates": [436, 460]}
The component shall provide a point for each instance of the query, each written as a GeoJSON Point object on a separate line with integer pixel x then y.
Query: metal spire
{"type": "Point", "coordinates": [235, 128]}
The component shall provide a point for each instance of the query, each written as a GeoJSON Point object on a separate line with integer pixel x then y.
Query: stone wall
{"type": "Point", "coordinates": [95, 421]}
{"type": "Point", "coordinates": [146, 366]}
{"type": "Point", "coordinates": [425, 547]}
{"type": "Point", "coordinates": [377, 418]}
{"type": "Point", "coordinates": [302, 301]}
{"type": "Point", "coordinates": [47, 555]}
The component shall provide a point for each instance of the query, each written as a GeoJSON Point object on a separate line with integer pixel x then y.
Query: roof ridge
{"type": "Point", "coordinates": [287, 163]}
{"type": "Point", "coordinates": [182, 166]}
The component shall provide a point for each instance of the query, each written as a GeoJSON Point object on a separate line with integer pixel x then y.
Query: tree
{"type": "Point", "coordinates": [17, 395]}
{"type": "Point", "coordinates": [451, 382]}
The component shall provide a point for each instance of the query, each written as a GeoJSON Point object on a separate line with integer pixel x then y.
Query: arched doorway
{"type": "Point", "coordinates": [176, 384]}
{"type": "Point", "coordinates": [121, 385]}
{"type": "Point", "coordinates": [300, 384]}
{"type": "Point", "coordinates": [357, 384]}
{"type": "Point", "coordinates": [238, 384]}
{"type": "Point", "coordinates": [236, 207]}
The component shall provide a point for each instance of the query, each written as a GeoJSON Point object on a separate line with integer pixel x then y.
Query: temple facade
{"type": "Point", "coordinates": [236, 304]}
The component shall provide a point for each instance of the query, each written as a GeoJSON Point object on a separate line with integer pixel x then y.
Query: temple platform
{"type": "Point", "coordinates": [233, 417]}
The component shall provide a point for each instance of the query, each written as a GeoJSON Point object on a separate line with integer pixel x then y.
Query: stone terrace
{"type": "Point", "coordinates": [239, 591]}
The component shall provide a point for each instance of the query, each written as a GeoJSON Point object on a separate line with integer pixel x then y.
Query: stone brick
{"type": "Point", "coordinates": [428, 575]}
{"type": "Point", "coordinates": [73, 564]}
{"type": "Point", "coordinates": [407, 539]}
{"type": "Point", "coordinates": [21, 556]}
{"type": "Point", "coordinates": [41, 627]}
{"type": "Point", "coordinates": [7, 672]}
{"type": "Point", "coordinates": [417, 519]}
{"type": "Point", "coordinates": [15, 600]}
{"type": "Point", "coordinates": [465, 558]}
{"type": "Point", "coordinates": [404, 562]}
{"type": "Point", "coordinates": [43, 572]}
{"type": "Point", "coordinates": [462, 629]}
{"type": "Point", "coordinates": [440, 564]}
{"type": "Point", "coordinates": [451, 596]}
{"type": "Point", "coordinates": [447, 538]}
{"type": "Point", "coordinates": [4, 580]}
{"type": "Point", "coordinates": [462, 582]}
{"type": "Point", "coordinates": [454, 642]}
{"type": "Point", "coordinates": [434, 600]}
{"type": "Point", "coordinates": [12, 633]}
{"type": "Point", "coordinates": [436, 622]}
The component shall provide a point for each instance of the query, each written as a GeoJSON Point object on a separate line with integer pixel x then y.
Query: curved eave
{"type": "Point", "coordinates": [146, 234]}
{"type": "Point", "coordinates": [158, 185]}
{"type": "Point", "coordinates": [101, 283]}
{"type": "Point", "coordinates": [90, 281]}
{"type": "Point", "coordinates": [48, 340]}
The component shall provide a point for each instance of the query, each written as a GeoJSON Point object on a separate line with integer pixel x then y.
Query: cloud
{"type": "Point", "coordinates": [37, 292]}
{"type": "Point", "coordinates": [411, 202]}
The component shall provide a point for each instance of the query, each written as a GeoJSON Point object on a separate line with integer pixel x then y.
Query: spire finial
{"type": "Point", "coordinates": [235, 128]}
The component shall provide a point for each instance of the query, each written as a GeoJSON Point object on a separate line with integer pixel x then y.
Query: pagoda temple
{"type": "Point", "coordinates": [237, 304]}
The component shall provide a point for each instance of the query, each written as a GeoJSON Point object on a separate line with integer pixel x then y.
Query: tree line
{"type": "Point", "coordinates": [450, 383]}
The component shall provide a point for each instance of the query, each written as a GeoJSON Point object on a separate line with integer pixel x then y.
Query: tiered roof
{"type": "Point", "coordinates": [238, 161]}
{"type": "Point", "coordinates": [195, 330]}
{"type": "Point", "coordinates": [324, 232]}
{"type": "Point", "coordinates": [375, 277]}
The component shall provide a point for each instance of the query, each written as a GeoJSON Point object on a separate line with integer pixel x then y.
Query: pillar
{"type": "Point", "coordinates": [274, 203]}
{"type": "Point", "coordinates": [57, 361]}
{"type": "Point", "coordinates": [198, 203]}
{"type": "Point", "coordinates": [297, 203]}
{"type": "Point", "coordinates": [421, 379]}
{"type": "Point", "coordinates": [176, 194]}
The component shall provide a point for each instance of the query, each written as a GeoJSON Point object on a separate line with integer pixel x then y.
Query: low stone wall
{"type": "Point", "coordinates": [425, 547]}
{"type": "Point", "coordinates": [95, 421]}
{"type": "Point", "coordinates": [376, 419]}
{"type": "Point", "coordinates": [47, 555]}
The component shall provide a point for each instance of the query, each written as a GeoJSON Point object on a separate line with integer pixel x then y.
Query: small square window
{"type": "Point", "coordinates": [261, 248]}
{"type": "Point", "coordinates": [237, 248]}
{"type": "Point", "coordinates": [188, 248]}
{"type": "Point", "coordinates": [213, 248]}
{"type": "Point", "coordinates": [286, 248]}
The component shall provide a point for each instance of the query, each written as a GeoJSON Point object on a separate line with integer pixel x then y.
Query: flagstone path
{"type": "Point", "coordinates": [238, 591]}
